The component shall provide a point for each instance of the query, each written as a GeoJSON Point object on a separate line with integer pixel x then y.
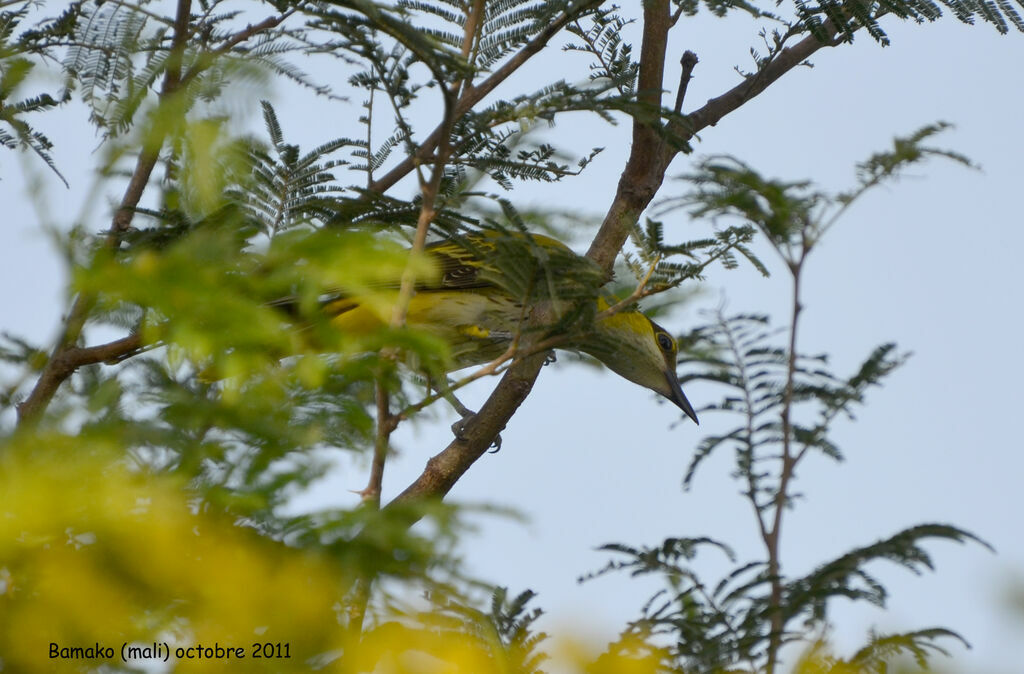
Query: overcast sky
{"type": "Point", "coordinates": [931, 263]}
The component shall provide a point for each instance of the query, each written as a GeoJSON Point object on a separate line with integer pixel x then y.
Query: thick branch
{"type": "Point", "coordinates": [445, 469]}
{"type": "Point", "coordinates": [151, 152]}
{"type": "Point", "coordinates": [644, 171]}
{"type": "Point", "coordinates": [650, 156]}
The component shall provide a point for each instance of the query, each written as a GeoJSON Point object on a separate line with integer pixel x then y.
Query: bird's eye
{"type": "Point", "coordinates": [665, 342]}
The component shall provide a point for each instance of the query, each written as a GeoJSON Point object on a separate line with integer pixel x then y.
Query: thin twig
{"type": "Point", "coordinates": [678, 13]}
{"type": "Point", "coordinates": [239, 37]}
{"type": "Point", "coordinates": [386, 424]}
{"type": "Point", "coordinates": [748, 403]}
{"type": "Point", "coordinates": [689, 62]}
{"type": "Point", "coordinates": [471, 95]}
{"type": "Point", "coordinates": [785, 475]}
{"type": "Point", "coordinates": [716, 108]}
{"type": "Point", "coordinates": [494, 367]}
{"type": "Point", "coordinates": [638, 293]}
{"type": "Point", "coordinates": [369, 139]}
{"type": "Point", "coordinates": [486, 370]}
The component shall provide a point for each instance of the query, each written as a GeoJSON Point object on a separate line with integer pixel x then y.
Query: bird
{"type": "Point", "coordinates": [479, 299]}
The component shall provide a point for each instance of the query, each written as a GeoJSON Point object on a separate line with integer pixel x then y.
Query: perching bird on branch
{"type": "Point", "coordinates": [480, 299]}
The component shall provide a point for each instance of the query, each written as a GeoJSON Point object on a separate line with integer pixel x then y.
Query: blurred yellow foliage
{"type": "Point", "coordinates": [398, 649]}
{"type": "Point", "coordinates": [94, 554]}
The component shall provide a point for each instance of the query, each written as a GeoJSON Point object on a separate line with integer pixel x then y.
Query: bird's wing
{"type": "Point", "coordinates": [459, 267]}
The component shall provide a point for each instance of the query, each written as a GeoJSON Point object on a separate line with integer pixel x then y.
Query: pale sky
{"type": "Point", "coordinates": [930, 262]}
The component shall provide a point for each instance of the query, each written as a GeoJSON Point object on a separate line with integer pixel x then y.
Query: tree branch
{"type": "Point", "coordinates": [717, 108]}
{"type": "Point", "coordinates": [641, 178]}
{"type": "Point", "coordinates": [472, 95]}
{"type": "Point", "coordinates": [688, 62]}
{"type": "Point", "coordinates": [644, 171]}
{"type": "Point", "coordinates": [445, 469]}
{"type": "Point", "coordinates": [62, 362]}
{"type": "Point", "coordinates": [778, 619]}
{"type": "Point", "coordinates": [66, 357]}
{"type": "Point", "coordinates": [241, 36]}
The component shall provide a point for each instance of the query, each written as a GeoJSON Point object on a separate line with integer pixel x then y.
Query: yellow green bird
{"type": "Point", "coordinates": [478, 303]}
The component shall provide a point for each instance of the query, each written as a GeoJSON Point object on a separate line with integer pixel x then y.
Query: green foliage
{"type": "Point", "coordinates": [719, 8]}
{"type": "Point", "coordinates": [762, 383]}
{"type": "Point", "coordinates": [906, 151]}
{"type": "Point", "coordinates": [727, 625]}
{"type": "Point", "coordinates": [288, 190]}
{"type": "Point", "coordinates": [846, 576]}
{"type": "Point", "coordinates": [614, 58]}
{"type": "Point", "coordinates": [160, 472]}
{"type": "Point", "coordinates": [108, 38]}
{"type": "Point", "coordinates": [784, 403]}
{"type": "Point", "coordinates": [82, 530]}
{"type": "Point", "coordinates": [722, 247]}
{"type": "Point", "coordinates": [506, 631]}
{"type": "Point", "coordinates": [14, 73]}
{"type": "Point", "coordinates": [793, 215]}
{"type": "Point", "coordinates": [851, 16]}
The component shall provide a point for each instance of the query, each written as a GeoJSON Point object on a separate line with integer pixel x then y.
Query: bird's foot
{"type": "Point", "coordinates": [459, 429]}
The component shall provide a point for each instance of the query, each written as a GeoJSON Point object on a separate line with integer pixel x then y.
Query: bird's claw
{"type": "Point", "coordinates": [459, 430]}
{"type": "Point", "coordinates": [459, 427]}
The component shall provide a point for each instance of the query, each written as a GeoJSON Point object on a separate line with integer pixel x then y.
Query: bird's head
{"type": "Point", "coordinates": [635, 347]}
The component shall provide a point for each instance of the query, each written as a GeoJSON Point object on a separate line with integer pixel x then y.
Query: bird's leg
{"type": "Point", "coordinates": [446, 391]}
{"type": "Point", "coordinates": [459, 427]}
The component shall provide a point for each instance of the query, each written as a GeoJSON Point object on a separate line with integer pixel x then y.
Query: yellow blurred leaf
{"type": "Point", "coordinates": [95, 554]}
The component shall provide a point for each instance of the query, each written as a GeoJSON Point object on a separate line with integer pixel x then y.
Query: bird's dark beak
{"type": "Point", "coordinates": [678, 397]}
